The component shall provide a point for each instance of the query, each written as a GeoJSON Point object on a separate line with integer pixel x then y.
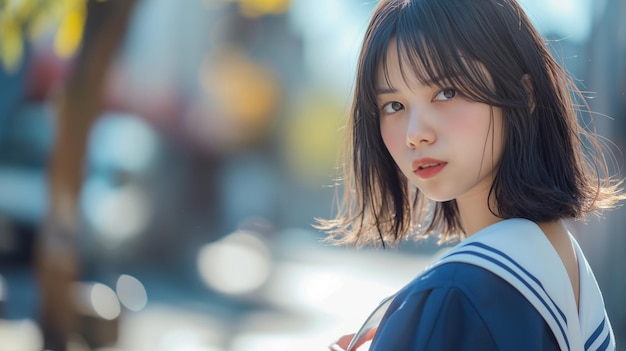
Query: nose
{"type": "Point", "coordinates": [419, 131]}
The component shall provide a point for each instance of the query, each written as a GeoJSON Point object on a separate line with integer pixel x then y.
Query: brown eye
{"type": "Point", "coordinates": [445, 94]}
{"type": "Point", "coordinates": [392, 107]}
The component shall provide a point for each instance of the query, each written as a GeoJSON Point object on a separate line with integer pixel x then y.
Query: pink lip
{"type": "Point", "coordinates": [430, 171]}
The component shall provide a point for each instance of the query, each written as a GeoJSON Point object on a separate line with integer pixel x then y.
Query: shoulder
{"type": "Point", "coordinates": [461, 306]}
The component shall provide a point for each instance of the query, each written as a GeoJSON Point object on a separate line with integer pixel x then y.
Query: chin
{"type": "Point", "coordinates": [437, 197]}
{"type": "Point", "coordinates": [438, 192]}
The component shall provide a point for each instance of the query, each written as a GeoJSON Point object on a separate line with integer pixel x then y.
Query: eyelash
{"type": "Point", "coordinates": [440, 92]}
{"type": "Point", "coordinates": [390, 104]}
{"type": "Point", "coordinates": [447, 90]}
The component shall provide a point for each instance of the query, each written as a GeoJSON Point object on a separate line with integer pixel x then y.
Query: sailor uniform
{"type": "Point", "coordinates": [503, 288]}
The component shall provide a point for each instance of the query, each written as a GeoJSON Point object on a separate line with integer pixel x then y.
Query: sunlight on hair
{"type": "Point", "coordinates": [237, 264]}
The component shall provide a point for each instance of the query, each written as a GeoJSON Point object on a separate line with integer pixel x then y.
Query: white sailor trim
{"type": "Point", "coordinates": [600, 339]}
{"type": "Point", "coordinates": [508, 249]}
{"type": "Point", "coordinates": [595, 334]}
{"type": "Point", "coordinates": [605, 343]}
{"type": "Point", "coordinates": [592, 313]}
{"type": "Point", "coordinates": [528, 274]}
{"type": "Point", "coordinates": [464, 253]}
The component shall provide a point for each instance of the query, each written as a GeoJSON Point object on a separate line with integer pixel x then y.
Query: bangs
{"type": "Point", "coordinates": [436, 48]}
{"type": "Point", "coordinates": [443, 66]}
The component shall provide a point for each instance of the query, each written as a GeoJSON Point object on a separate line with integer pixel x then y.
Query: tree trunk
{"type": "Point", "coordinates": [77, 106]}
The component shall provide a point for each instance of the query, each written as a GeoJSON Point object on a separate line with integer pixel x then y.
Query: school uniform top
{"type": "Point", "coordinates": [503, 288]}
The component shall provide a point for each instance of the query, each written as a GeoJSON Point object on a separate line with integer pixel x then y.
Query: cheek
{"type": "Point", "coordinates": [390, 136]}
{"type": "Point", "coordinates": [472, 125]}
{"type": "Point", "coordinates": [482, 133]}
{"type": "Point", "coordinates": [470, 117]}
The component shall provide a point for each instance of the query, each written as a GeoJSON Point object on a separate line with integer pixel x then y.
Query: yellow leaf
{"type": "Point", "coordinates": [39, 23]}
{"type": "Point", "coordinates": [11, 45]}
{"type": "Point", "coordinates": [239, 79]}
{"type": "Point", "coordinates": [312, 137]}
{"type": "Point", "coordinates": [26, 8]}
{"type": "Point", "coordinates": [71, 5]}
{"type": "Point", "coordinates": [256, 8]}
{"type": "Point", "coordinates": [70, 33]}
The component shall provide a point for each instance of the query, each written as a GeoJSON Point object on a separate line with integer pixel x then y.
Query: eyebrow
{"type": "Point", "coordinates": [429, 82]}
{"type": "Point", "coordinates": [385, 90]}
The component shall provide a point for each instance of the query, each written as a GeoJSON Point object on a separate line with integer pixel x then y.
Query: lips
{"type": "Point", "coordinates": [426, 168]}
{"type": "Point", "coordinates": [429, 165]}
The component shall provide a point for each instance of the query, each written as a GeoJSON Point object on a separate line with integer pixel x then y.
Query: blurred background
{"type": "Point", "coordinates": [162, 162]}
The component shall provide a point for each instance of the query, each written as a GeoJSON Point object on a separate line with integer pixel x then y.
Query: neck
{"type": "Point", "coordinates": [475, 214]}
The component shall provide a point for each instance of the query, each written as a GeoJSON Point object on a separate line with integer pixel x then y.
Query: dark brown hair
{"type": "Point", "coordinates": [551, 167]}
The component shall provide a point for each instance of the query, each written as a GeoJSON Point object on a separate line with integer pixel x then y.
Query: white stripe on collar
{"type": "Point", "coordinates": [511, 249]}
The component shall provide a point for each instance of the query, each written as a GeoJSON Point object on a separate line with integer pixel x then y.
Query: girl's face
{"type": "Point", "coordinates": [445, 144]}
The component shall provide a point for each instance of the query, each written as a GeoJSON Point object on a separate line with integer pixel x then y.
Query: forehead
{"type": "Point", "coordinates": [399, 64]}
{"type": "Point", "coordinates": [412, 65]}
{"type": "Point", "coordinates": [418, 65]}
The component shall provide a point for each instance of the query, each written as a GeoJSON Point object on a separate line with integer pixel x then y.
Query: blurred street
{"type": "Point", "coordinates": [310, 295]}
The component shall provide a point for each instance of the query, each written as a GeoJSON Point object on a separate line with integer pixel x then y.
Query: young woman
{"type": "Point", "coordinates": [463, 126]}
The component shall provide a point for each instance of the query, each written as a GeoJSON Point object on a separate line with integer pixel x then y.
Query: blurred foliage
{"type": "Point", "coordinates": [244, 91]}
{"type": "Point", "coordinates": [313, 137]}
{"type": "Point", "coordinates": [258, 8]}
{"type": "Point", "coordinates": [27, 20]}
{"type": "Point", "coordinates": [23, 20]}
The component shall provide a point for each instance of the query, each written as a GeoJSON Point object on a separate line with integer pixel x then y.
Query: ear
{"type": "Point", "coordinates": [528, 85]}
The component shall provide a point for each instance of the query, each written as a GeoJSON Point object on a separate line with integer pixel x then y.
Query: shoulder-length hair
{"type": "Point", "coordinates": [551, 167]}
